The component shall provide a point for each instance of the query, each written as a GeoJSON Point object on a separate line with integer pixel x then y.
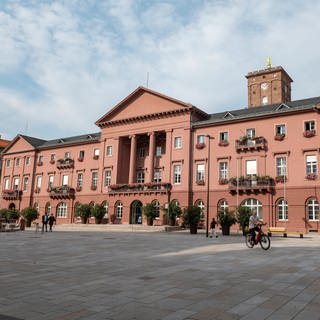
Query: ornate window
{"type": "Point", "coordinates": [282, 209]}
{"type": "Point", "coordinates": [62, 210]}
{"type": "Point", "coordinates": [119, 209]}
{"type": "Point", "coordinates": [313, 209]}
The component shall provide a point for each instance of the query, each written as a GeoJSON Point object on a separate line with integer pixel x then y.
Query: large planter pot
{"type": "Point", "coordinates": [225, 230]}
{"type": "Point", "coordinates": [150, 222]}
{"type": "Point", "coordinates": [194, 229]}
{"type": "Point", "coordinates": [28, 223]}
{"type": "Point", "coordinates": [172, 222]}
{"type": "Point", "coordinates": [83, 220]}
{"type": "Point", "coordinates": [97, 220]}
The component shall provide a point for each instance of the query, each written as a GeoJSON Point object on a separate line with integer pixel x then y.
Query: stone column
{"type": "Point", "coordinates": [133, 151]}
{"type": "Point", "coordinates": [151, 156]}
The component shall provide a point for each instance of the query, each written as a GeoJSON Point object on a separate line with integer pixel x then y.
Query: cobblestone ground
{"type": "Point", "coordinates": [169, 276]}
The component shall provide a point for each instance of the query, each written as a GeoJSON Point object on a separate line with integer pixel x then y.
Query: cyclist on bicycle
{"type": "Point", "coordinates": [253, 224]}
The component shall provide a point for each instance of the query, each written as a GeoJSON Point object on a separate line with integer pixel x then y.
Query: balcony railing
{"type": "Point", "coordinates": [62, 192]}
{"type": "Point", "coordinates": [163, 187]}
{"type": "Point", "coordinates": [65, 163]}
{"type": "Point", "coordinates": [251, 144]}
{"type": "Point", "coordinates": [251, 184]}
{"type": "Point", "coordinates": [11, 194]}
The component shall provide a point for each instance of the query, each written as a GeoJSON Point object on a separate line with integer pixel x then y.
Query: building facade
{"type": "Point", "coordinates": [154, 148]}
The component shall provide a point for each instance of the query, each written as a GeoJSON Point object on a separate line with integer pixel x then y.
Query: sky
{"type": "Point", "coordinates": [65, 63]}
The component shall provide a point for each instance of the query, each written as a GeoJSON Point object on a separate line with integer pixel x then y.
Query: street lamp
{"type": "Point", "coordinates": [208, 186]}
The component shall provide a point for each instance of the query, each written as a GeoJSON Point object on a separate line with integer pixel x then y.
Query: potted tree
{"type": "Point", "coordinates": [243, 215]}
{"type": "Point", "coordinates": [191, 218]}
{"type": "Point", "coordinates": [226, 219]}
{"type": "Point", "coordinates": [29, 214]}
{"type": "Point", "coordinates": [150, 211]}
{"type": "Point", "coordinates": [98, 212]}
{"type": "Point", "coordinates": [84, 212]}
{"type": "Point", "coordinates": [172, 212]}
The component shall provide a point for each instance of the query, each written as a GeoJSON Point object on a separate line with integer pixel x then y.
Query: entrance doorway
{"type": "Point", "coordinates": [136, 212]}
{"type": "Point", "coordinates": [12, 206]}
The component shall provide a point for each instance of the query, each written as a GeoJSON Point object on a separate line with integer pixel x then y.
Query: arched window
{"type": "Point", "coordinates": [175, 202]}
{"type": "Point", "coordinates": [313, 209]}
{"type": "Point", "coordinates": [157, 205]}
{"type": "Point", "coordinates": [254, 204]}
{"type": "Point", "coordinates": [62, 210]}
{"type": "Point", "coordinates": [106, 208]}
{"type": "Point", "coordinates": [119, 209]}
{"type": "Point", "coordinates": [48, 208]}
{"type": "Point", "coordinates": [223, 205]}
{"type": "Point", "coordinates": [200, 204]}
{"type": "Point", "coordinates": [36, 206]}
{"type": "Point", "coordinates": [282, 209]}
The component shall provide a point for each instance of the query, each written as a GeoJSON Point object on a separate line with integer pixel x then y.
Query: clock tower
{"type": "Point", "coordinates": [268, 86]}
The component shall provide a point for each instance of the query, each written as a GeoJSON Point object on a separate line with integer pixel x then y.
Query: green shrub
{"type": "Point", "coordinates": [84, 212]}
{"type": "Point", "coordinates": [30, 214]}
{"type": "Point", "coordinates": [98, 211]}
{"type": "Point", "coordinates": [150, 211]}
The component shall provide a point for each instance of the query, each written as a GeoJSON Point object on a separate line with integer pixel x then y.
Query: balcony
{"type": "Point", "coordinates": [251, 185]}
{"type": "Point", "coordinates": [62, 192]}
{"type": "Point", "coordinates": [251, 144]}
{"type": "Point", "coordinates": [11, 194]}
{"type": "Point", "coordinates": [65, 163]}
{"type": "Point", "coordinates": [153, 187]}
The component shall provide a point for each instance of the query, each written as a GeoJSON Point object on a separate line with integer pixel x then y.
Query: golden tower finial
{"type": "Point", "coordinates": [268, 62]}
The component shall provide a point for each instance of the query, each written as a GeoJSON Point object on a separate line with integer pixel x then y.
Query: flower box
{"type": "Point", "coordinates": [200, 182]}
{"type": "Point", "coordinates": [223, 181]}
{"type": "Point", "coordinates": [78, 188]}
{"type": "Point", "coordinates": [200, 145]}
{"type": "Point", "coordinates": [223, 143]}
{"type": "Point", "coordinates": [309, 133]}
{"type": "Point", "coordinates": [279, 137]}
{"type": "Point", "coordinates": [95, 157]}
{"type": "Point", "coordinates": [52, 161]}
{"type": "Point", "coordinates": [93, 187]}
{"type": "Point", "coordinates": [39, 163]}
{"type": "Point", "coordinates": [311, 176]}
{"type": "Point", "coordinates": [36, 190]}
{"type": "Point", "coordinates": [281, 179]}
{"type": "Point", "coordinates": [80, 159]}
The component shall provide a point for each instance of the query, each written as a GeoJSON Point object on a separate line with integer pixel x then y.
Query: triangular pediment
{"type": "Point", "coordinates": [142, 102]}
{"type": "Point", "coordinates": [22, 143]}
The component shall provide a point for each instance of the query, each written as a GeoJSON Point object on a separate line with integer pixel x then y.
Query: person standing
{"type": "Point", "coordinates": [45, 219]}
{"type": "Point", "coordinates": [213, 228]}
{"type": "Point", "coordinates": [51, 220]}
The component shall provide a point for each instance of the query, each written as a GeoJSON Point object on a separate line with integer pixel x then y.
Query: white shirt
{"type": "Point", "coordinates": [253, 220]}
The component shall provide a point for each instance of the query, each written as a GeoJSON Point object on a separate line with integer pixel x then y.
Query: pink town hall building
{"type": "Point", "coordinates": [154, 148]}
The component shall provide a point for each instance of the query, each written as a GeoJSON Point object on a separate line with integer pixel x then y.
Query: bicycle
{"type": "Point", "coordinates": [261, 238]}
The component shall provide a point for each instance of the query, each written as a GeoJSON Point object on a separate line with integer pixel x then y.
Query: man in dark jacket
{"type": "Point", "coordinates": [51, 220]}
{"type": "Point", "coordinates": [213, 228]}
{"type": "Point", "coordinates": [45, 219]}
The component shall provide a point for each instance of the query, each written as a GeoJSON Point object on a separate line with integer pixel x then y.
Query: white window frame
{"type": "Point", "coordinates": [177, 174]}
{"type": "Point", "coordinates": [6, 183]}
{"type": "Point", "coordinates": [280, 129]}
{"type": "Point", "coordinates": [201, 138]}
{"type": "Point", "coordinates": [65, 180]}
{"type": "Point", "coordinates": [62, 210]}
{"type": "Point", "coordinates": [25, 183]}
{"type": "Point", "coordinates": [281, 166]}
{"type": "Point", "coordinates": [140, 177]}
{"type": "Point", "coordinates": [309, 125]}
{"type": "Point", "coordinates": [313, 209]}
{"type": "Point", "coordinates": [251, 133]}
{"type": "Point", "coordinates": [177, 142]}
{"type": "Point", "coordinates": [119, 210]}
{"type": "Point", "coordinates": [109, 151]}
{"type": "Point", "coordinates": [311, 164]}
{"type": "Point", "coordinates": [224, 136]}
{"type": "Point", "coordinates": [200, 172]}
{"type": "Point", "coordinates": [107, 178]}
{"type": "Point", "coordinates": [94, 178]}
{"type": "Point", "coordinates": [28, 161]}
{"type": "Point", "coordinates": [50, 180]}
{"type": "Point", "coordinates": [223, 170]}
{"type": "Point", "coordinates": [158, 151]}
{"type": "Point", "coordinates": [16, 182]}
{"type": "Point", "coordinates": [142, 152]}
{"type": "Point", "coordinates": [282, 210]}
{"type": "Point", "coordinates": [38, 181]}
{"type": "Point", "coordinates": [80, 179]}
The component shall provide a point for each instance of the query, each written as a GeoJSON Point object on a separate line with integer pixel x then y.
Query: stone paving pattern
{"type": "Point", "coordinates": [67, 275]}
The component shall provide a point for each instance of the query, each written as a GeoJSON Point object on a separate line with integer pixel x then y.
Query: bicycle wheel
{"type": "Point", "coordinates": [264, 241]}
{"type": "Point", "coordinates": [248, 241]}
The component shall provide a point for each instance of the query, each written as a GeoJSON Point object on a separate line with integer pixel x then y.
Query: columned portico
{"type": "Point", "coordinates": [133, 150]}
{"type": "Point", "coordinates": [151, 156]}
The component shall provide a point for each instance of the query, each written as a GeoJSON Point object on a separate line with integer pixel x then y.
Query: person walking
{"type": "Point", "coordinates": [45, 219]}
{"type": "Point", "coordinates": [51, 220]}
{"type": "Point", "coordinates": [213, 228]}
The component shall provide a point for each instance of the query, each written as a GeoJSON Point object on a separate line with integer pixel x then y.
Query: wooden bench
{"type": "Point", "coordinates": [282, 230]}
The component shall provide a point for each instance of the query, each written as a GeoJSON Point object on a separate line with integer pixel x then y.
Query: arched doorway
{"type": "Point", "coordinates": [12, 206]}
{"type": "Point", "coordinates": [136, 212]}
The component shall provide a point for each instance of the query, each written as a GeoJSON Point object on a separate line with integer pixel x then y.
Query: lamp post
{"type": "Point", "coordinates": [208, 186]}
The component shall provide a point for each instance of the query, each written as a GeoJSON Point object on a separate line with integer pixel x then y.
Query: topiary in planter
{"type": "Point", "coordinates": [150, 211]}
{"type": "Point", "coordinates": [98, 212]}
{"type": "Point", "coordinates": [243, 216]}
{"type": "Point", "coordinates": [30, 214]}
{"type": "Point", "coordinates": [84, 212]}
{"type": "Point", "coordinates": [191, 218]}
{"type": "Point", "coordinates": [226, 219]}
{"type": "Point", "coordinates": [172, 212]}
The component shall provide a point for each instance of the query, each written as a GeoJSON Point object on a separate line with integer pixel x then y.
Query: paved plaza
{"type": "Point", "coordinates": [156, 275]}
